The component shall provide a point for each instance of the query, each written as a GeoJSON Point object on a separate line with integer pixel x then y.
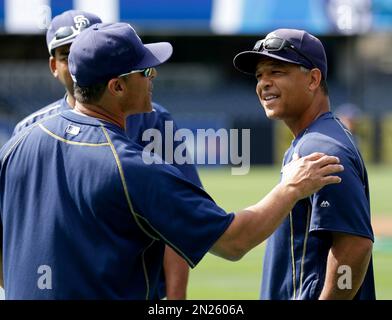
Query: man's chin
{"type": "Point", "coordinates": [272, 115]}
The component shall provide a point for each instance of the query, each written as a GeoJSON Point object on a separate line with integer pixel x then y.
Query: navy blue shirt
{"type": "Point", "coordinates": [135, 127]}
{"type": "Point", "coordinates": [76, 196]}
{"type": "Point", "coordinates": [296, 253]}
{"type": "Point", "coordinates": [51, 109]}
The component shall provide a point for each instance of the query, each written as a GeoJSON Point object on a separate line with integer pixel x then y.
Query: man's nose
{"type": "Point", "coordinates": [263, 83]}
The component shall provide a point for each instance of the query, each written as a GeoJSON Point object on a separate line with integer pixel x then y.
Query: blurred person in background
{"type": "Point", "coordinates": [61, 33]}
{"type": "Point", "coordinates": [350, 115]}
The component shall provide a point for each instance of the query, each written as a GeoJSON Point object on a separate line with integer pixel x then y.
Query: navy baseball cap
{"type": "Point", "coordinates": [290, 45]}
{"type": "Point", "coordinates": [107, 50]}
{"type": "Point", "coordinates": [65, 27]}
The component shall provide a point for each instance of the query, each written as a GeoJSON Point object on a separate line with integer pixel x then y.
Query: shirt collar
{"type": "Point", "coordinates": [324, 116]}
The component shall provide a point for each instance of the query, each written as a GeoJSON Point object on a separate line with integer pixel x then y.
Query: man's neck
{"type": "Point", "coordinates": [318, 107]}
{"type": "Point", "coordinates": [100, 112]}
{"type": "Point", "coordinates": [70, 100]}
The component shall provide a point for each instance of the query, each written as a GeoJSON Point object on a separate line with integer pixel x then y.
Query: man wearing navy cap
{"type": "Point", "coordinates": [61, 33]}
{"type": "Point", "coordinates": [323, 249]}
{"type": "Point", "coordinates": [92, 218]}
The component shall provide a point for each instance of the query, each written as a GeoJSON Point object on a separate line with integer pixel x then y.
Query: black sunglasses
{"type": "Point", "coordinates": [67, 31]}
{"type": "Point", "coordinates": [278, 44]}
{"type": "Point", "coordinates": [63, 34]}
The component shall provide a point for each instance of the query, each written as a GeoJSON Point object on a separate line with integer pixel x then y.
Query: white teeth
{"type": "Point", "coordinates": [270, 98]}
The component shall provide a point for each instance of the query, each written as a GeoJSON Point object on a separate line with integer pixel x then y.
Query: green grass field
{"type": "Point", "coordinates": [215, 278]}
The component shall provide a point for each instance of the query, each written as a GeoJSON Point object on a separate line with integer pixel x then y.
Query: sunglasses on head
{"type": "Point", "coordinates": [278, 44]}
{"type": "Point", "coordinates": [63, 34]}
{"type": "Point", "coordinates": [147, 72]}
{"type": "Point", "coordinates": [66, 32]}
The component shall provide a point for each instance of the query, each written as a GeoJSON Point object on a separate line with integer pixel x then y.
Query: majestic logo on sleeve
{"type": "Point", "coordinates": [81, 22]}
{"type": "Point", "coordinates": [324, 204]}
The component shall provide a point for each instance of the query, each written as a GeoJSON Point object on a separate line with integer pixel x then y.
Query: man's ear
{"type": "Point", "coordinates": [116, 86]}
{"type": "Point", "coordinates": [315, 79]}
{"type": "Point", "coordinates": [52, 66]}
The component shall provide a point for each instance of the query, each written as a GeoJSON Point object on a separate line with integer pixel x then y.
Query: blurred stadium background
{"type": "Point", "coordinates": [202, 90]}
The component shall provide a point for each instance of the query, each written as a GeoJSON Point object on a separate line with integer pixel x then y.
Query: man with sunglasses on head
{"type": "Point", "coordinates": [61, 33]}
{"type": "Point", "coordinates": [92, 217]}
{"type": "Point", "coordinates": [323, 249]}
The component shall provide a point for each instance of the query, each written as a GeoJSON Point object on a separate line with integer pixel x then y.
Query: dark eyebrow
{"type": "Point", "coordinates": [278, 64]}
{"type": "Point", "coordinates": [273, 65]}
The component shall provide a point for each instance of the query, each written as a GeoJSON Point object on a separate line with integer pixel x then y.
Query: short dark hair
{"type": "Point", "coordinates": [90, 94]}
{"type": "Point", "coordinates": [323, 82]}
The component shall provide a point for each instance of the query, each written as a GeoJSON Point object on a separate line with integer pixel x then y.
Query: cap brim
{"type": "Point", "coordinates": [60, 44]}
{"type": "Point", "coordinates": [247, 61]}
{"type": "Point", "coordinates": [156, 54]}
